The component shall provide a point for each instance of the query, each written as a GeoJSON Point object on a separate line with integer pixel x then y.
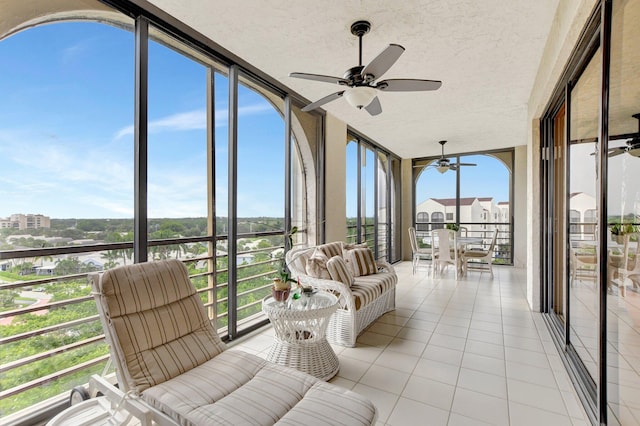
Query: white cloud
{"type": "Point", "coordinates": [194, 120]}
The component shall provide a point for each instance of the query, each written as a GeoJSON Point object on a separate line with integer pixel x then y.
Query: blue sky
{"type": "Point", "coordinates": [66, 129]}
{"type": "Point", "coordinates": [66, 133]}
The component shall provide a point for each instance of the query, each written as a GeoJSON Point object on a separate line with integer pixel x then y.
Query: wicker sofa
{"type": "Point", "coordinates": [361, 303]}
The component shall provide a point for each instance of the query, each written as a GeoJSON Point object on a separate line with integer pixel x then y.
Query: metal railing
{"type": "Point", "coordinates": [50, 333]}
{"type": "Point", "coordinates": [503, 251]}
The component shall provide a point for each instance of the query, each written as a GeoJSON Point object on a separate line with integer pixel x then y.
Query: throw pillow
{"type": "Point", "coordinates": [331, 249]}
{"type": "Point", "coordinates": [339, 271]}
{"type": "Point", "coordinates": [346, 247]}
{"type": "Point", "coordinates": [362, 262]}
{"type": "Point", "coordinates": [317, 265]}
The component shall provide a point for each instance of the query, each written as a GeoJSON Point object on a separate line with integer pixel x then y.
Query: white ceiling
{"type": "Point", "coordinates": [485, 52]}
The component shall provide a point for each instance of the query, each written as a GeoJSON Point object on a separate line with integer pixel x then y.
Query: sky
{"type": "Point", "coordinates": [66, 136]}
{"type": "Point", "coordinates": [66, 130]}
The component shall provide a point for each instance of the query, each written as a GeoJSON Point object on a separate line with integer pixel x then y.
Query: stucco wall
{"type": "Point", "coordinates": [520, 237]}
{"type": "Point", "coordinates": [335, 177]}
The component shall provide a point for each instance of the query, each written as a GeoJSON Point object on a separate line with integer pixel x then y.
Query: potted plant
{"type": "Point", "coordinates": [453, 226]}
{"type": "Point", "coordinates": [619, 229]}
{"type": "Point", "coordinates": [281, 287]}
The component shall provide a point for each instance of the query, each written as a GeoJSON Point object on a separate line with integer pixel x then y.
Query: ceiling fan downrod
{"type": "Point", "coordinates": [360, 28]}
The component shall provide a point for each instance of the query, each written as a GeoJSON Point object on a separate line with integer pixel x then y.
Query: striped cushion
{"type": "Point", "coordinates": [367, 289]}
{"type": "Point", "coordinates": [237, 388]}
{"type": "Point", "coordinates": [331, 249]}
{"type": "Point", "coordinates": [361, 262]}
{"type": "Point", "coordinates": [346, 247]}
{"type": "Point", "coordinates": [339, 271]}
{"type": "Point", "coordinates": [159, 320]}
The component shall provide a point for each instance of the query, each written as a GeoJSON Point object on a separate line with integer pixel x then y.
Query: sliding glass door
{"type": "Point", "coordinates": [371, 197]}
{"type": "Point", "coordinates": [591, 209]}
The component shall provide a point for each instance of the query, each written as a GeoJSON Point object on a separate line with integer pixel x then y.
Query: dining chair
{"type": "Point", "coordinates": [627, 268]}
{"type": "Point", "coordinates": [445, 252]}
{"type": "Point", "coordinates": [417, 252]}
{"type": "Point", "coordinates": [482, 259]}
{"type": "Point", "coordinates": [583, 264]}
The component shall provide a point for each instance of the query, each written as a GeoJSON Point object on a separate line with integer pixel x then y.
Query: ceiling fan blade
{"type": "Point", "coordinates": [383, 61]}
{"type": "Point", "coordinates": [408, 85]}
{"type": "Point", "coordinates": [616, 151]}
{"type": "Point", "coordinates": [466, 164]}
{"type": "Point", "coordinates": [319, 77]}
{"type": "Point", "coordinates": [374, 108]}
{"type": "Point", "coordinates": [322, 101]}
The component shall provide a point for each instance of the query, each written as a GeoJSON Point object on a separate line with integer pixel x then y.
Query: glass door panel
{"type": "Point", "coordinates": [352, 190]}
{"type": "Point", "coordinates": [382, 219]}
{"type": "Point", "coordinates": [582, 194]}
{"type": "Point", "coordinates": [367, 197]}
{"type": "Point", "coordinates": [623, 211]}
{"type": "Point", "coordinates": [260, 201]}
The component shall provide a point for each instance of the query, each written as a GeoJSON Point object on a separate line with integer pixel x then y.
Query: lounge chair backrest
{"type": "Point", "coordinates": [155, 322]}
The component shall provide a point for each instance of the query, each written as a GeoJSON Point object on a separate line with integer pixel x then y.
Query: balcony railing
{"type": "Point", "coordinates": [503, 251]}
{"type": "Point", "coordinates": [50, 333]}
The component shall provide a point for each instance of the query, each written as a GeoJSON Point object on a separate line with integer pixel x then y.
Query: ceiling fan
{"type": "Point", "coordinates": [361, 87]}
{"type": "Point", "coordinates": [632, 146]}
{"type": "Point", "coordinates": [443, 164]}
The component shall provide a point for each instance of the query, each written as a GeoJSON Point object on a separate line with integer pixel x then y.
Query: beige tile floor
{"type": "Point", "coordinates": [456, 353]}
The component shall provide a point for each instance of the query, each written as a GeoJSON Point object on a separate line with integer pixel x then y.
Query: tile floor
{"type": "Point", "coordinates": [456, 353]}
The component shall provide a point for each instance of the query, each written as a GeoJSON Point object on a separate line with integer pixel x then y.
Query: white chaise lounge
{"type": "Point", "coordinates": [168, 354]}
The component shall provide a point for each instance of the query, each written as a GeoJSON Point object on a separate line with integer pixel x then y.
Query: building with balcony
{"type": "Point", "coordinates": [184, 115]}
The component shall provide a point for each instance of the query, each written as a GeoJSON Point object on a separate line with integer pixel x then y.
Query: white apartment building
{"type": "Point", "coordinates": [477, 214]}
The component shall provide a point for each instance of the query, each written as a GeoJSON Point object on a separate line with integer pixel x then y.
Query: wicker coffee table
{"type": "Point", "coordinates": [300, 328]}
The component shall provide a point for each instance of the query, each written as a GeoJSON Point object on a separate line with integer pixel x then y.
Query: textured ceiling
{"type": "Point", "coordinates": [485, 52]}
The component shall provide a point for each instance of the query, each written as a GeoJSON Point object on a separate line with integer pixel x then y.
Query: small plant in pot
{"type": "Point", "coordinates": [619, 230]}
{"type": "Point", "coordinates": [281, 284]}
{"type": "Point", "coordinates": [453, 226]}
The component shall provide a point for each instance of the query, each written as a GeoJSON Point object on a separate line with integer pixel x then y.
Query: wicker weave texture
{"type": "Point", "coordinates": [300, 340]}
{"type": "Point", "coordinates": [345, 326]}
{"type": "Point", "coordinates": [347, 322]}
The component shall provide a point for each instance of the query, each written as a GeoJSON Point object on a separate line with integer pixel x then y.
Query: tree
{"type": "Point", "coordinates": [7, 298]}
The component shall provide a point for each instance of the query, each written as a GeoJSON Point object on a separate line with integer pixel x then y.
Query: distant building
{"type": "Point", "coordinates": [480, 215]}
{"type": "Point", "coordinates": [583, 216]}
{"type": "Point", "coordinates": [25, 221]}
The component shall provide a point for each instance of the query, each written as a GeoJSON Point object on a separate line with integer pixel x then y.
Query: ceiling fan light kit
{"type": "Point", "coordinates": [360, 81]}
{"type": "Point", "coordinates": [360, 96]}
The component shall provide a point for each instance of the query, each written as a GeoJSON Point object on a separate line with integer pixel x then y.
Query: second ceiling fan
{"type": "Point", "coordinates": [443, 164]}
{"type": "Point", "coordinates": [360, 81]}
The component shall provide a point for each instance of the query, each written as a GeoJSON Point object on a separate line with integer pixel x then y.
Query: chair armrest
{"type": "Point", "coordinates": [386, 266]}
{"type": "Point", "coordinates": [345, 297]}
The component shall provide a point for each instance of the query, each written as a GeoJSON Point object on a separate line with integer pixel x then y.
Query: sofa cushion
{"type": "Point", "coordinates": [317, 265]}
{"type": "Point", "coordinates": [331, 249]}
{"type": "Point", "coordinates": [361, 262]}
{"type": "Point", "coordinates": [339, 271]}
{"type": "Point", "coordinates": [237, 388]}
{"type": "Point", "coordinates": [368, 288]}
{"type": "Point", "coordinates": [346, 247]}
